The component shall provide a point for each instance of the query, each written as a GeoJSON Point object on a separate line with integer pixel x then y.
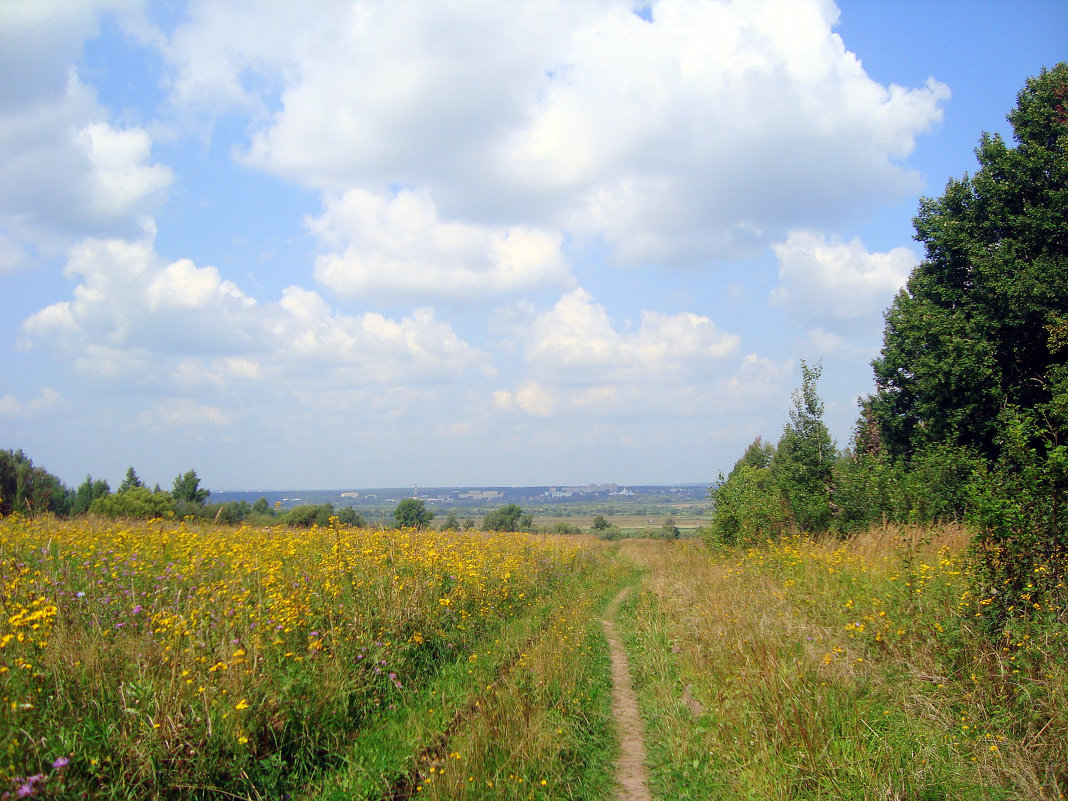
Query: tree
{"type": "Point", "coordinates": [187, 489]}
{"type": "Point", "coordinates": [261, 507]}
{"type": "Point", "coordinates": [969, 334]}
{"type": "Point", "coordinates": [28, 489]}
{"type": "Point", "coordinates": [506, 518]}
{"type": "Point", "coordinates": [974, 357]}
{"type": "Point", "coordinates": [803, 465]}
{"type": "Point", "coordinates": [749, 505]}
{"type": "Point", "coordinates": [451, 522]}
{"type": "Point", "coordinates": [412, 513]}
{"type": "Point", "coordinates": [348, 516]}
{"type": "Point", "coordinates": [130, 481]}
{"type": "Point", "coordinates": [600, 523]}
{"type": "Point", "coordinates": [87, 492]}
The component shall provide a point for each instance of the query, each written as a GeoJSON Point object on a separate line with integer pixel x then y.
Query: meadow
{"type": "Point", "coordinates": [861, 669]}
{"type": "Point", "coordinates": [163, 659]}
{"type": "Point", "coordinates": [166, 659]}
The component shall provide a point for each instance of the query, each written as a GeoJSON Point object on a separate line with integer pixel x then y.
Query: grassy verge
{"type": "Point", "coordinates": [525, 715]}
{"type": "Point", "coordinates": [830, 670]}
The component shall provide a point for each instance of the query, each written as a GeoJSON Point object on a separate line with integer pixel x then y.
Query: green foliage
{"type": "Point", "coordinates": [138, 502]}
{"type": "Point", "coordinates": [87, 492]}
{"type": "Point", "coordinates": [803, 463]}
{"type": "Point", "coordinates": [230, 513]}
{"type": "Point", "coordinates": [968, 335]}
{"type": "Point", "coordinates": [261, 507]}
{"type": "Point", "coordinates": [347, 516]}
{"type": "Point", "coordinates": [1019, 509]}
{"type": "Point", "coordinates": [972, 381]}
{"type": "Point", "coordinates": [27, 489]}
{"type": "Point", "coordinates": [749, 507]}
{"type": "Point", "coordinates": [305, 516]}
{"type": "Point", "coordinates": [870, 489]}
{"type": "Point", "coordinates": [451, 522]}
{"type": "Point", "coordinates": [412, 513]}
{"type": "Point", "coordinates": [600, 523]}
{"type": "Point", "coordinates": [131, 481]}
{"type": "Point", "coordinates": [669, 531]}
{"type": "Point", "coordinates": [507, 518]}
{"type": "Point", "coordinates": [187, 489]}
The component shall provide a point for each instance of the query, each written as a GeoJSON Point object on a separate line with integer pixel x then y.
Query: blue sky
{"type": "Point", "coordinates": [342, 244]}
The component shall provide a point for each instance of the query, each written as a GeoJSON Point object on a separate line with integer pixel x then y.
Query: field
{"type": "Point", "coordinates": [177, 660]}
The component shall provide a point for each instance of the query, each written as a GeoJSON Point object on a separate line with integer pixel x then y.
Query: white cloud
{"type": "Point", "coordinates": [530, 397]}
{"type": "Point", "coordinates": [578, 363]}
{"type": "Point", "coordinates": [184, 414]}
{"type": "Point", "coordinates": [120, 179]}
{"type": "Point", "coordinates": [12, 407]}
{"type": "Point", "coordinates": [397, 247]}
{"type": "Point", "coordinates": [576, 338]}
{"type": "Point", "coordinates": [712, 129]}
{"type": "Point", "coordinates": [134, 317]}
{"type": "Point", "coordinates": [12, 255]}
{"type": "Point", "coordinates": [66, 169]}
{"type": "Point", "coordinates": [838, 285]}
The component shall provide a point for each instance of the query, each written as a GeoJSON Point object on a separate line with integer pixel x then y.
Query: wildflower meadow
{"type": "Point", "coordinates": [147, 658]}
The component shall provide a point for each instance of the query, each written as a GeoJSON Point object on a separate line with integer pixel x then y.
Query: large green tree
{"type": "Point", "coordinates": [974, 360]}
{"type": "Point", "coordinates": [87, 492]}
{"type": "Point", "coordinates": [969, 335]}
{"type": "Point", "coordinates": [132, 481]}
{"type": "Point", "coordinates": [509, 517]}
{"type": "Point", "coordinates": [187, 489]}
{"type": "Point", "coordinates": [28, 489]}
{"type": "Point", "coordinates": [412, 513]}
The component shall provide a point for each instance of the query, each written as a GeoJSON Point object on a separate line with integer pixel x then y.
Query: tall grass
{"type": "Point", "coordinates": [165, 659]}
{"type": "Point", "coordinates": [859, 669]}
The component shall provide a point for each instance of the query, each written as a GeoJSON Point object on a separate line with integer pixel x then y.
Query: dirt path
{"type": "Point", "coordinates": [630, 768]}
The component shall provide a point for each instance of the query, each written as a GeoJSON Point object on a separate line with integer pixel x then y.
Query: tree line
{"type": "Point", "coordinates": [969, 418]}
{"type": "Point", "coordinates": [28, 489]}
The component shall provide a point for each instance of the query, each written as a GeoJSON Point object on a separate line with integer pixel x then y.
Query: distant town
{"type": "Point", "coordinates": [476, 497]}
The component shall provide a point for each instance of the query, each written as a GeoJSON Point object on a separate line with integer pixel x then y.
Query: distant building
{"type": "Point", "coordinates": [482, 495]}
{"type": "Point", "coordinates": [350, 495]}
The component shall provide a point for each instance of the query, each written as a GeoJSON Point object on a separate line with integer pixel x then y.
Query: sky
{"type": "Point", "coordinates": [355, 243]}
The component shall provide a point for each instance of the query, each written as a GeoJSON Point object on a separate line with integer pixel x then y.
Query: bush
{"type": "Point", "coordinates": [139, 502]}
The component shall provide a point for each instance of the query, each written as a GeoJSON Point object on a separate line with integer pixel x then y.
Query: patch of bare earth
{"type": "Point", "coordinates": [631, 773]}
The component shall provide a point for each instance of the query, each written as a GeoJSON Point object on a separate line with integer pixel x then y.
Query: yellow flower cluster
{"type": "Point", "coordinates": [187, 627]}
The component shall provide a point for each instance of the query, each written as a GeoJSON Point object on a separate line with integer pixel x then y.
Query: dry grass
{"type": "Point", "coordinates": [842, 670]}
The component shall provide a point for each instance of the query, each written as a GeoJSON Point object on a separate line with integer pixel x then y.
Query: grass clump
{"type": "Point", "coordinates": [858, 669]}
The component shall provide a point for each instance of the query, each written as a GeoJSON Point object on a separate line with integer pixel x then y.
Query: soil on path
{"type": "Point", "coordinates": [630, 768]}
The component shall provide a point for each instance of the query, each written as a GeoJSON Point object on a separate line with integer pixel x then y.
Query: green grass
{"type": "Point", "coordinates": [797, 670]}
{"type": "Point", "coordinates": [526, 715]}
{"type": "Point", "coordinates": [833, 671]}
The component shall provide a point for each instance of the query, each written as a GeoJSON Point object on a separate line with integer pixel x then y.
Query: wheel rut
{"type": "Point", "coordinates": [631, 773]}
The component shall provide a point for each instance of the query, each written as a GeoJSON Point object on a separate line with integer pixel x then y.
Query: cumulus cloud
{"type": "Point", "coordinates": [835, 285]}
{"type": "Point", "coordinates": [578, 361]}
{"type": "Point", "coordinates": [134, 317]}
{"type": "Point", "coordinates": [12, 408]}
{"type": "Point", "coordinates": [754, 118]}
{"type": "Point", "coordinates": [66, 169]}
{"type": "Point", "coordinates": [576, 338]}
{"type": "Point", "coordinates": [183, 413]}
{"type": "Point", "coordinates": [398, 247]}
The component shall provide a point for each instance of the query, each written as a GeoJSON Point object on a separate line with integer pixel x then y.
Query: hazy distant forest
{"type": "Point", "coordinates": [909, 587]}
